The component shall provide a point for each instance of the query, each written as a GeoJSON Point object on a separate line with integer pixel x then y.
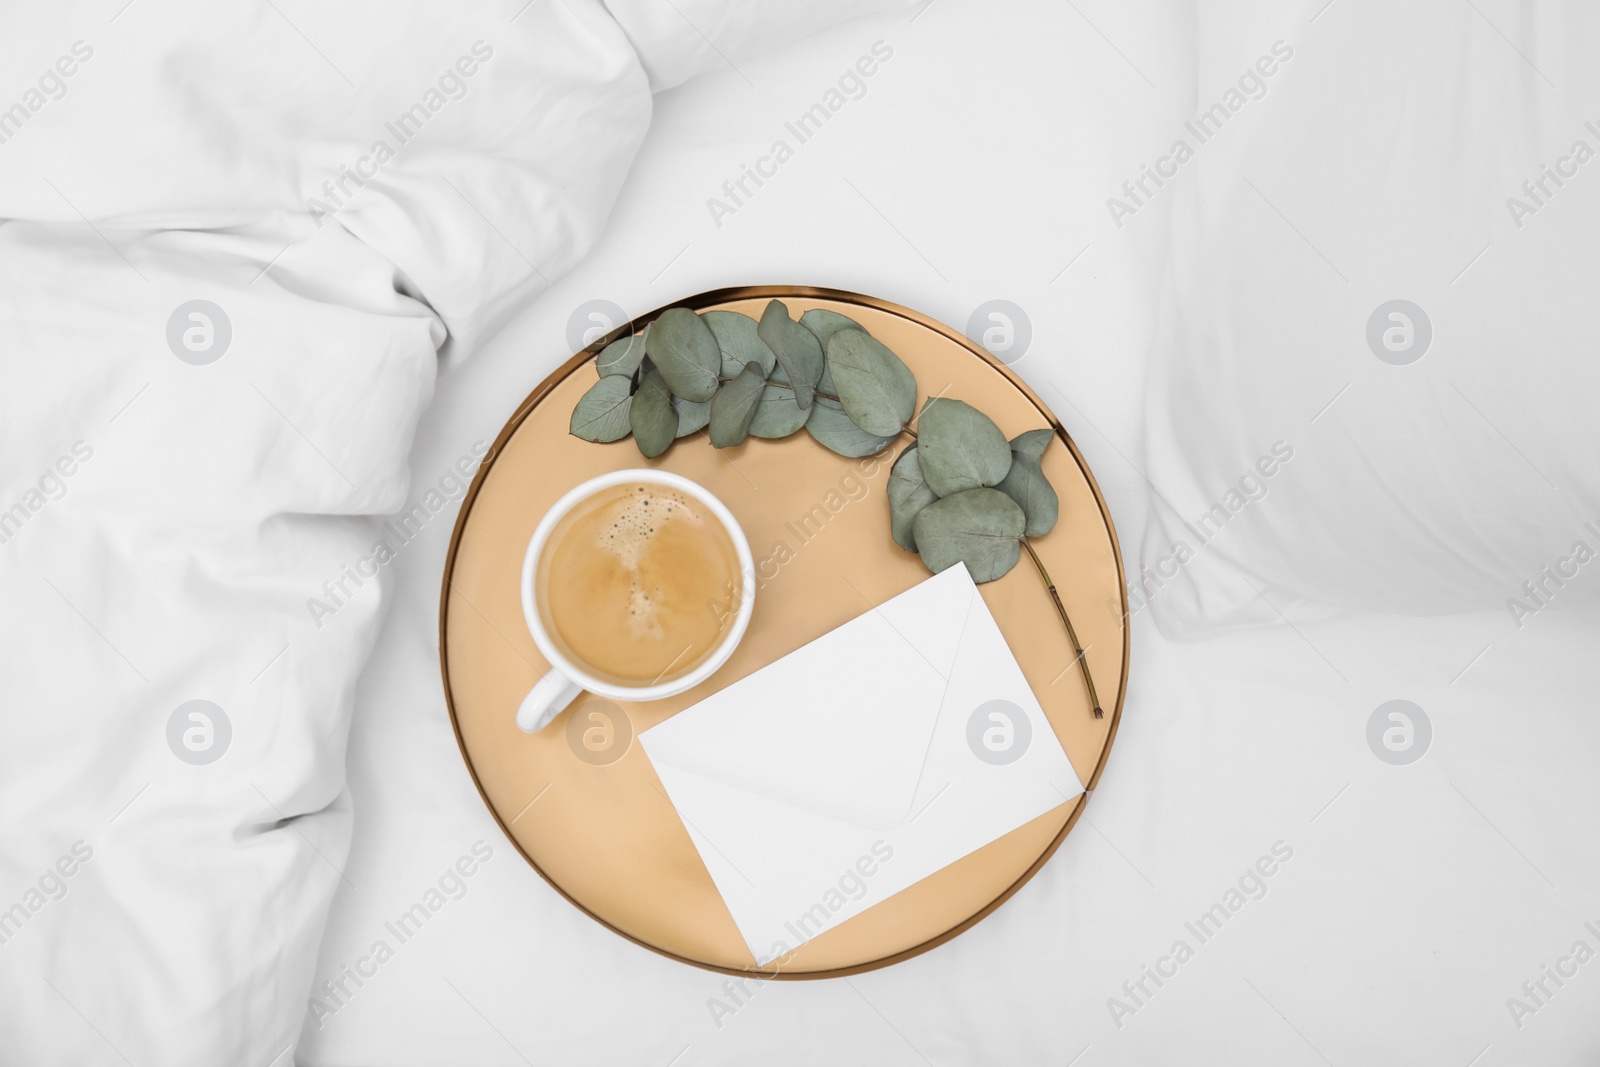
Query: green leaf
{"type": "Point", "coordinates": [601, 414]}
{"type": "Point", "coordinates": [735, 405]}
{"type": "Point", "coordinates": [778, 414]}
{"type": "Point", "coordinates": [878, 391]}
{"type": "Point", "coordinates": [979, 527]}
{"type": "Point", "coordinates": [620, 357]}
{"type": "Point", "coordinates": [825, 324]}
{"type": "Point", "coordinates": [685, 351]}
{"type": "Point", "coordinates": [960, 446]}
{"type": "Point", "coordinates": [654, 423]}
{"type": "Point", "coordinates": [691, 416]}
{"type": "Point", "coordinates": [908, 494]}
{"type": "Point", "coordinates": [824, 384]}
{"type": "Point", "coordinates": [740, 344]}
{"type": "Point", "coordinates": [1032, 443]}
{"type": "Point", "coordinates": [797, 349]}
{"type": "Point", "coordinates": [1026, 484]}
{"type": "Point", "coordinates": [833, 430]}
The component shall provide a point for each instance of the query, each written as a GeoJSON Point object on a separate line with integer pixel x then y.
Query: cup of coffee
{"type": "Point", "coordinates": [636, 585]}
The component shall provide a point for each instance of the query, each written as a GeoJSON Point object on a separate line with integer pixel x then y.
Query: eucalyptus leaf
{"type": "Point", "coordinates": [601, 414]}
{"type": "Point", "coordinates": [1032, 443]}
{"type": "Point", "coordinates": [685, 351]}
{"type": "Point", "coordinates": [826, 323]}
{"type": "Point", "coordinates": [692, 417]}
{"type": "Point", "coordinates": [797, 349]}
{"type": "Point", "coordinates": [824, 385]}
{"type": "Point", "coordinates": [878, 391]}
{"type": "Point", "coordinates": [1026, 484]}
{"type": "Point", "coordinates": [654, 423]}
{"type": "Point", "coordinates": [908, 494]}
{"type": "Point", "coordinates": [979, 527]}
{"type": "Point", "coordinates": [778, 414]}
{"type": "Point", "coordinates": [740, 344]}
{"type": "Point", "coordinates": [833, 430]}
{"type": "Point", "coordinates": [960, 446]}
{"type": "Point", "coordinates": [645, 367]}
{"type": "Point", "coordinates": [735, 405]}
{"type": "Point", "coordinates": [620, 357]}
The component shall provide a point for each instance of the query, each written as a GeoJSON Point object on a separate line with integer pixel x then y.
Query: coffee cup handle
{"type": "Point", "coordinates": [545, 701]}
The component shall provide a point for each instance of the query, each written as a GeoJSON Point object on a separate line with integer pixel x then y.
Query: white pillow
{"type": "Point", "coordinates": [1317, 446]}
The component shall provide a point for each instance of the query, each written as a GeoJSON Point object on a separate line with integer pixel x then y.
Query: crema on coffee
{"type": "Point", "coordinates": [636, 584]}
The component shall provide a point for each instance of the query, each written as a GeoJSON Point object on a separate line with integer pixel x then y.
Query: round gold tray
{"type": "Point", "coordinates": [604, 834]}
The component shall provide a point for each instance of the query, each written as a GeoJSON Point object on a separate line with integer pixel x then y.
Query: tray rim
{"type": "Point", "coordinates": [696, 302]}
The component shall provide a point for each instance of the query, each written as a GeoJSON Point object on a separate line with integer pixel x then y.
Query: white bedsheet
{"type": "Point", "coordinates": [1415, 902]}
{"type": "Point", "coordinates": [1407, 904]}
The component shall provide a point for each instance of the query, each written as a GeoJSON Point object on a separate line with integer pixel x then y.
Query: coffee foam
{"type": "Point", "coordinates": [633, 524]}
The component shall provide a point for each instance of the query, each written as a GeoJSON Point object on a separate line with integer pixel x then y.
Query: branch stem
{"type": "Point", "coordinates": [1072, 634]}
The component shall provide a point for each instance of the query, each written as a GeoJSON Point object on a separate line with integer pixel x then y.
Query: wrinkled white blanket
{"type": "Point", "coordinates": [235, 239]}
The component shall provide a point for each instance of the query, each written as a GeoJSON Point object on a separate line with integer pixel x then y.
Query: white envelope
{"type": "Point", "coordinates": [861, 763]}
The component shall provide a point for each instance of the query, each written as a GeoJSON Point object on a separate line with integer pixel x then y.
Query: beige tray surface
{"type": "Point", "coordinates": [606, 836]}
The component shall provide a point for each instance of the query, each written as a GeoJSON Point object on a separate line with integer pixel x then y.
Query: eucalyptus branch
{"type": "Point", "coordinates": [784, 385]}
{"type": "Point", "coordinates": [1072, 634]}
{"type": "Point", "coordinates": [961, 493]}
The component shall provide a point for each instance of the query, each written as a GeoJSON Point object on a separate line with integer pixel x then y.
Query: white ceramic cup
{"type": "Point", "coordinates": [566, 679]}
